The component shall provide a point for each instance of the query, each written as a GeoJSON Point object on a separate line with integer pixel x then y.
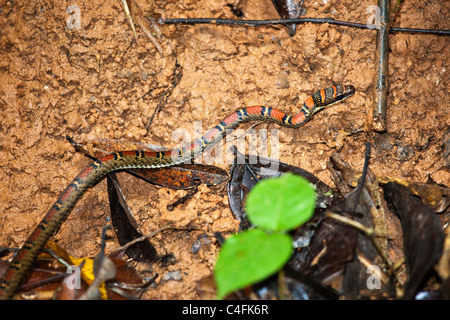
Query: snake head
{"type": "Point", "coordinates": [329, 96]}
{"type": "Point", "coordinates": [342, 92]}
{"type": "Point", "coordinates": [335, 94]}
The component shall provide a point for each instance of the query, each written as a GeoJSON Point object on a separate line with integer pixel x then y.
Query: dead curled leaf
{"type": "Point", "coordinates": [125, 225]}
{"type": "Point", "coordinates": [423, 236]}
{"type": "Point", "coordinates": [246, 174]}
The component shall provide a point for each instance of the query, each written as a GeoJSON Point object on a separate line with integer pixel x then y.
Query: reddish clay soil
{"type": "Point", "coordinates": [97, 81]}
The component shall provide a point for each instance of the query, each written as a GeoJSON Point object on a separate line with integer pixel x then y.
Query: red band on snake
{"type": "Point", "coordinates": [97, 170]}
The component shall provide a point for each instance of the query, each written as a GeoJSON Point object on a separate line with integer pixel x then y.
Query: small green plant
{"type": "Point", "coordinates": [274, 206]}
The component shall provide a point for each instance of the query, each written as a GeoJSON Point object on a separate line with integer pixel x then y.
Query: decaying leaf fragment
{"type": "Point", "coordinates": [423, 236]}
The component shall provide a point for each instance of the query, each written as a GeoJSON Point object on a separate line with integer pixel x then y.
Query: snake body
{"type": "Point", "coordinates": [97, 170]}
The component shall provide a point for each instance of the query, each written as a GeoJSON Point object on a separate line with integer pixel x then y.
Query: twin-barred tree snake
{"type": "Point", "coordinates": [97, 170]}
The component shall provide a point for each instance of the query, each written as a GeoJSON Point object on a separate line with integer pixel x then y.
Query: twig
{"type": "Point", "coordinates": [381, 69]}
{"type": "Point", "coordinates": [183, 199]}
{"type": "Point", "coordinates": [257, 23]}
{"type": "Point", "coordinates": [80, 148]}
{"type": "Point", "coordinates": [129, 18]}
{"type": "Point", "coordinates": [239, 155]}
{"type": "Point", "coordinates": [138, 15]}
{"type": "Point", "coordinates": [368, 231]}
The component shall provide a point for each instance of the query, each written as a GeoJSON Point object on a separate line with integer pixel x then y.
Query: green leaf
{"type": "Point", "coordinates": [249, 257]}
{"type": "Point", "coordinates": [281, 203]}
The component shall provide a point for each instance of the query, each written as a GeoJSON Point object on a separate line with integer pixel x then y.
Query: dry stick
{"type": "Point", "coordinates": [256, 23]}
{"type": "Point", "coordinates": [135, 11]}
{"type": "Point", "coordinates": [183, 199]}
{"type": "Point", "coordinates": [130, 20]}
{"type": "Point", "coordinates": [381, 69]}
{"type": "Point", "coordinates": [239, 155]}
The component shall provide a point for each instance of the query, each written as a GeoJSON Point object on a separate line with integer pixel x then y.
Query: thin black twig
{"type": "Point", "coordinates": [239, 156]}
{"type": "Point", "coordinates": [80, 148]}
{"type": "Point", "coordinates": [183, 199]}
{"type": "Point", "coordinates": [256, 23]}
